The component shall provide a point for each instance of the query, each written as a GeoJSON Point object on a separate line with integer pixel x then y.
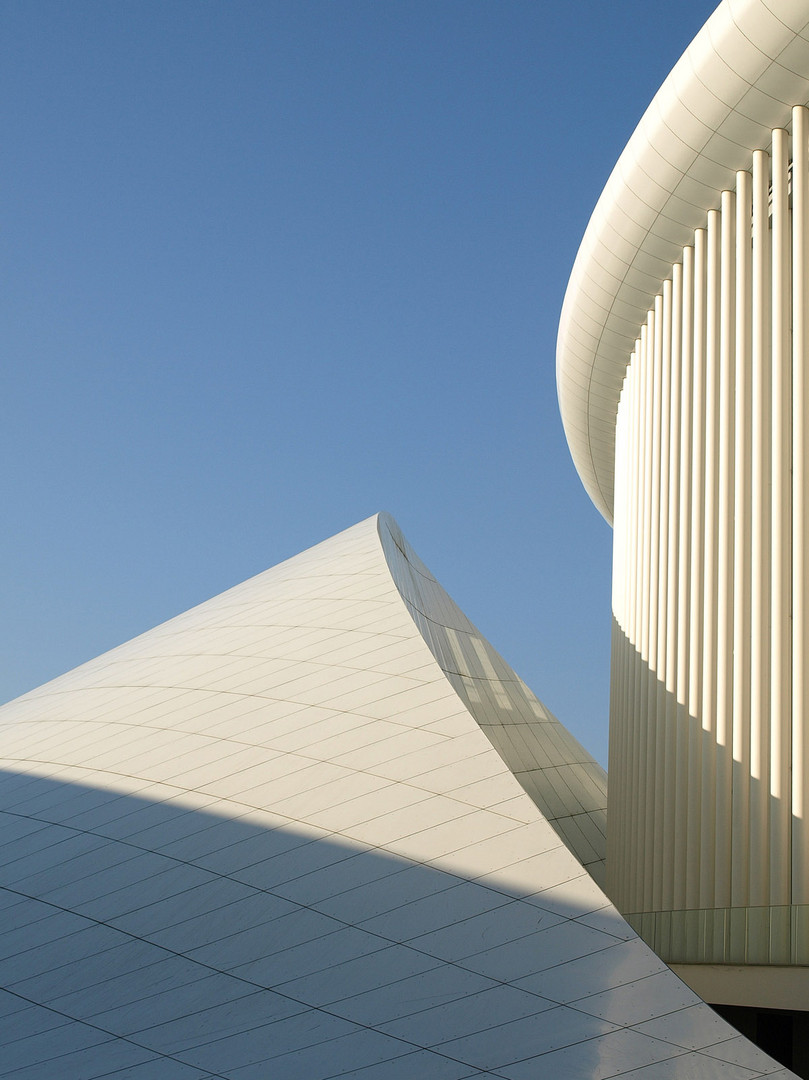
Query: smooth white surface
{"type": "Point", "coordinates": [737, 80]}
{"type": "Point", "coordinates": [299, 878]}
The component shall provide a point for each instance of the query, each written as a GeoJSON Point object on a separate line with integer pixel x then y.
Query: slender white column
{"type": "Point", "coordinates": [759, 892]}
{"type": "Point", "coordinates": [624, 540]}
{"type": "Point", "coordinates": [740, 853]}
{"type": "Point", "coordinates": [800, 505]}
{"type": "Point", "coordinates": [625, 794]}
{"type": "Point", "coordinates": [707, 698]}
{"type": "Point", "coordinates": [684, 570]}
{"type": "Point", "coordinates": [649, 801]}
{"type": "Point", "coordinates": [621, 817]}
{"type": "Point", "coordinates": [618, 719]}
{"type": "Point", "coordinates": [620, 811]}
{"type": "Point", "coordinates": [724, 564]}
{"type": "Point", "coordinates": [781, 531]}
{"type": "Point", "coordinates": [619, 578]}
{"type": "Point", "coordinates": [642, 683]}
{"type": "Point", "coordinates": [671, 764]}
{"type": "Point", "coordinates": [696, 602]}
{"type": "Point", "coordinates": [656, 853]}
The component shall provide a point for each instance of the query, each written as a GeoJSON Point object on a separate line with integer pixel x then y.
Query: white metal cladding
{"type": "Point", "coordinates": [707, 841]}
{"type": "Point", "coordinates": [737, 80]}
{"type": "Point", "coordinates": [562, 778]}
{"type": "Point", "coordinates": [270, 838]}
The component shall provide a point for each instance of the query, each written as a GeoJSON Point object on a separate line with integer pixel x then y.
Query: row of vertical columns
{"type": "Point", "coordinates": [709, 782]}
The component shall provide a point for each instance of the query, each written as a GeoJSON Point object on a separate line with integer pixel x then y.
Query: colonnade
{"type": "Point", "coordinates": [708, 845]}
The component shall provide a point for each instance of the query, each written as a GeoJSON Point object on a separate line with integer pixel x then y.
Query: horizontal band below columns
{"type": "Point", "coordinates": [739, 935]}
{"type": "Point", "coordinates": [760, 986]}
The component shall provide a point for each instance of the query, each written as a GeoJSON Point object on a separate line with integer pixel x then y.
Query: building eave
{"type": "Point", "coordinates": [737, 80]}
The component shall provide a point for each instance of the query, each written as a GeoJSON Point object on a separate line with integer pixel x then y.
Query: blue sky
{"type": "Point", "coordinates": [269, 268]}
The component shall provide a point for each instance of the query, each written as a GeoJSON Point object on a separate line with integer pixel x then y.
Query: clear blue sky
{"type": "Point", "coordinates": [270, 267]}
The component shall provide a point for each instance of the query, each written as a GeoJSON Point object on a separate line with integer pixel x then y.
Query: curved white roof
{"type": "Point", "coordinates": [737, 80]}
{"type": "Point", "coordinates": [273, 837]}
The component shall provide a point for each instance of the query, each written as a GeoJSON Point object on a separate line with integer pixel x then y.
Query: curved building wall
{"type": "Point", "coordinates": [708, 846]}
{"type": "Point", "coordinates": [682, 369]}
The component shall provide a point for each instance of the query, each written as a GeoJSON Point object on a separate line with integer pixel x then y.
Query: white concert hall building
{"type": "Point", "coordinates": [317, 827]}
{"type": "Point", "coordinates": [683, 369]}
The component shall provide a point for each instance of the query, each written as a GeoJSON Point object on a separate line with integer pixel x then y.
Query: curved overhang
{"type": "Point", "coordinates": [737, 81]}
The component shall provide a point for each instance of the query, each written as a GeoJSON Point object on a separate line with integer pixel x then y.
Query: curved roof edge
{"type": "Point", "coordinates": [558, 774]}
{"type": "Point", "coordinates": [737, 80]}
